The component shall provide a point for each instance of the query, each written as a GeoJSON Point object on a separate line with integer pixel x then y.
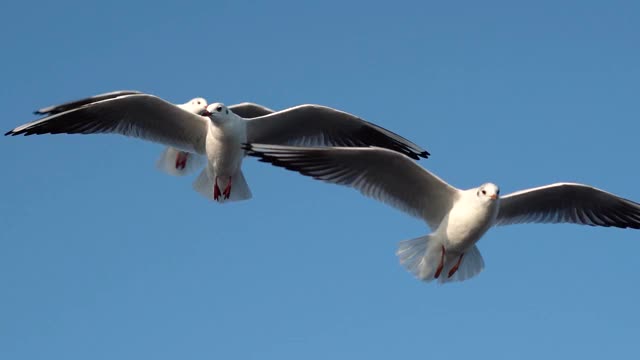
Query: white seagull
{"type": "Point", "coordinates": [172, 161]}
{"type": "Point", "coordinates": [218, 134]}
{"type": "Point", "coordinates": [457, 218]}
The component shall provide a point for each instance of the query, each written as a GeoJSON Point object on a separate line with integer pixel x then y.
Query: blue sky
{"type": "Point", "coordinates": [103, 257]}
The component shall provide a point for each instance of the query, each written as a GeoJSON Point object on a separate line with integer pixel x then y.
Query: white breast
{"type": "Point", "coordinates": [224, 147]}
{"type": "Point", "coordinates": [468, 220]}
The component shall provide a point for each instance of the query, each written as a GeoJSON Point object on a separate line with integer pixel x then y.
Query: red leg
{"type": "Point", "coordinates": [227, 189]}
{"type": "Point", "coordinates": [441, 265]}
{"type": "Point", "coordinates": [216, 190]}
{"type": "Point", "coordinates": [456, 266]}
{"type": "Point", "coordinates": [181, 160]}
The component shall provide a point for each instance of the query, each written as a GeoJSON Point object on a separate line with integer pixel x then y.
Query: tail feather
{"type": "Point", "coordinates": [179, 163]}
{"type": "Point", "coordinates": [239, 187]}
{"type": "Point", "coordinates": [203, 184]}
{"type": "Point", "coordinates": [471, 265]}
{"type": "Point", "coordinates": [421, 257]}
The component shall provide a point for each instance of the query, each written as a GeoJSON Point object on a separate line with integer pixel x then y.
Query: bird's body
{"type": "Point", "coordinates": [466, 222]}
{"type": "Point", "coordinates": [468, 219]}
{"type": "Point", "coordinates": [458, 218]}
{"type": "Point", "coordinates": [224, 151]}
{"type": "Point", "coordinates": [224, 146]}
{"type": "Point", "coordinates": [180, 163]}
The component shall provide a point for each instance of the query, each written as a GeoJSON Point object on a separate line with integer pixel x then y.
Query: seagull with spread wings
{"type": "Point", "coordinates": [216, 132]}
{"type": "Point", "coordinates": [458, 218]}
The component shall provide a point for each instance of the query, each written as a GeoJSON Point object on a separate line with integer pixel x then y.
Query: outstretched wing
{"type": "Point", "coordinates": [250, 110]}
{"type": "Point", "coordinates": [568, 203]}
{"type": "Point", "coordinates": [138, 115]}
{"type": "Point", "coordinates": [315, 125]}
{"type": "Point", "coordinates": [56, 109]}
{"type": "Point", "coordinates": [382, 174]}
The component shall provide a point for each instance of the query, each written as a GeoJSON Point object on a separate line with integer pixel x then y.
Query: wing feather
{"type": "Point", "coordinates": [56, 109]}
{"type": "Point", "coordinates": [315, 125]}
{"type": "Point", "coordinates": [569, 203]}
{"type": "Point", "coordinates": [382, 174]}
{"type": "Point", "coordinates": [137, 115]}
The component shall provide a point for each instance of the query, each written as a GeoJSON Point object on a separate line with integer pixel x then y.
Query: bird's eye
{"type": "Point", "coordinates": [484, 192]}
{"type": "Point", "coordinates": [198, 102]}
{"type": "Point", "coordinates": [497, 192]}
{"type": "Point", "coordinates": [219, 108]}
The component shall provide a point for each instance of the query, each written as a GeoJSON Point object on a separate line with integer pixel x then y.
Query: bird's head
{"type": "Point", "coordinates": [217, 112]}
{"type": "Point", "coordinates": [196, 106]}
{"type": "Point", "coordinates": [488, 192]}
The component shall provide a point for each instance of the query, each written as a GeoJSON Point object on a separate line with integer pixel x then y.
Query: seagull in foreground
{"type": "Point", "coordinates": [458, 218]}
{"type": "Point", "coordinates": [172, 161]}
{"type": "Point", "coordinates": [217, 133]}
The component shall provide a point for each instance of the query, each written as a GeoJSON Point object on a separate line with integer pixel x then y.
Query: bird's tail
{"type": "Point", "coordinates": [422, 257]}
{"type": "Point", "coordinates": [239, 187]}
{"type": "Point", "coordinates": [179, 163]}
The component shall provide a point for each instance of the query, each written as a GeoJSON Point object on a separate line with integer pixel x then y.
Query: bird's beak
{"type": "Point", "coordinates": [494, 196]}
{"type": "Point", "coordinates": [205, 113]}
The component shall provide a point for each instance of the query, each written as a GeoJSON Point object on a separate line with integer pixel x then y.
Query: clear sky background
{"type": "Point", "coordinates": [104, 257]}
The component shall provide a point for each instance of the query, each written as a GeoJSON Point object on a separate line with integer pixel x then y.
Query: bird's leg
{"type": "Point", "coordinates": [216, 190]}
{"type": "Point", "coordinates": [227, 189]}
{"type": "Point", "coordinates": [456, 266]}
{"type": "Point", "coordinates": [441, 265]}
{"type": "Point", "coordinates": [181, 160]}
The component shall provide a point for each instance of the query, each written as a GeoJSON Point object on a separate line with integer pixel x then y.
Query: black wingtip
{"type": "Point", "coordinates": [248, 148]}
{"type": "Point", "coordinates": [10, 132]}
{"type": "Point", "coordinates": [417, 155]}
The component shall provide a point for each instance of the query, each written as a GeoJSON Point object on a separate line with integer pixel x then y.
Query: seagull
{"type": "Point", "coordinates": [457, 218]}
{"type": "Point", "coordinates": [217, 133]}
{"type": "Point", "coordinates": [172, 161]}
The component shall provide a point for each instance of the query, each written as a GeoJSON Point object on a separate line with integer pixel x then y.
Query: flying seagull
{"type": "Point", "coordinates": [218, 133]}
{"type": "Point", "coordinates": [172, 161]}
{"type": "Point", "coordinates": [458, 218]}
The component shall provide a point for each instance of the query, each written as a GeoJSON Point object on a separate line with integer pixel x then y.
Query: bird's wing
{"type": "Point", "coordinates": [250, 110]}
{"type": "Point", "coordinates": [568, 203]}
{"type": "Point", "coordinates": [315, 125]}
{"type": "Point", "coordinates": [138, 115]}
{"type": "Point", "coordinates": [382, 174]}
{"type": "Point", "coordinates": [56, 109]}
